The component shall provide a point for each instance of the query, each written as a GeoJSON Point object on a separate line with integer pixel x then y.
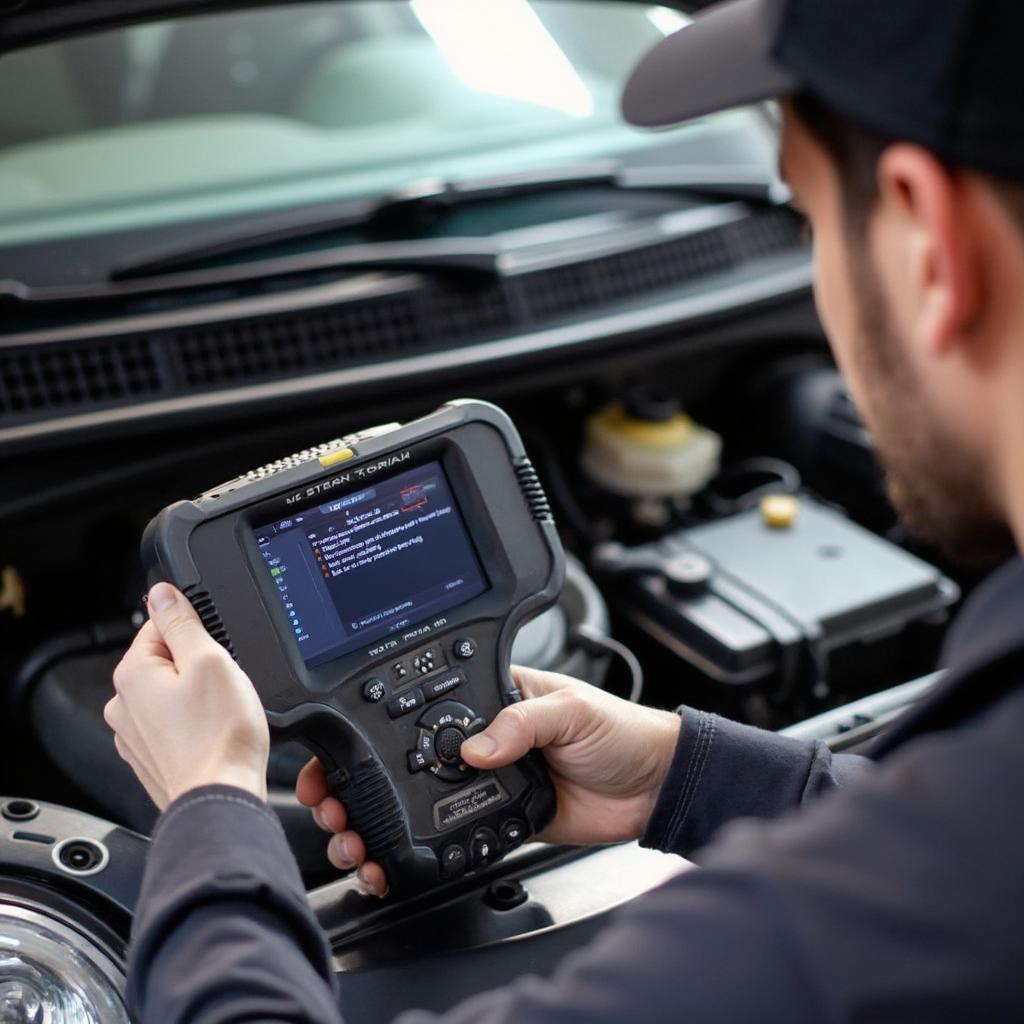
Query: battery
{"type": "Point", "coordinates": [781, 598]}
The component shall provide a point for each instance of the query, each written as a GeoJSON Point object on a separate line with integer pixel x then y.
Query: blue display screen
{"type": "Point", "coordinates": [365, 565]}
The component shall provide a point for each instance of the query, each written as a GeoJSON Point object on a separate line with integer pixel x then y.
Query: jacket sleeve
{"type": "Point", "coordinates": [895, 900]}
{"type": "Point", "coordinates": [223, 933]}
{"type": "Point", "coordinates": [723, 770]}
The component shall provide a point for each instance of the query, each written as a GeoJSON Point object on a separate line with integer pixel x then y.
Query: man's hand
{"type": "Point", "coordinates": [184, 714]}
{"type": "Point", "coordinates": [607, 758]}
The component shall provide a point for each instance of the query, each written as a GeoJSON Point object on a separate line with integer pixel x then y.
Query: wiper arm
{"type": "Point", "coordinates": [455, 255]}
{"type": "Point", "coordinates": [423, 202]}
{"type": "Point", "coordinates": [441, 255]}
{"type": "Point", "coordinates": [711, 182]}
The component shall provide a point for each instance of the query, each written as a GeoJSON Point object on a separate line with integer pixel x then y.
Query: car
{"type": "Point", "coordinates": [230, 232]}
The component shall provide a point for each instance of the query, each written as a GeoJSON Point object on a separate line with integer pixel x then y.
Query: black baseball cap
{"type": "Point", "coordinates": [947, 74]}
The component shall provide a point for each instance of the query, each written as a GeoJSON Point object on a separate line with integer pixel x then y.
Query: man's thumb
{"type": "Point", "coordinates": [176, 619]}
{"type": "Point", "coordinates": [516, 730]}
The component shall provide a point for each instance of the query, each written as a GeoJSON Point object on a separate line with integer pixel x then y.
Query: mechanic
{"type": "Point", "coordinates": [884, 889]}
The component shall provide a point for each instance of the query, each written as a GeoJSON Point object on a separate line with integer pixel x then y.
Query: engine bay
{"type": "Point", "coordinates": [730, 547]}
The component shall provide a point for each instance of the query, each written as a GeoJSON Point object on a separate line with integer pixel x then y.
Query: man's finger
{"type": "Point", "coordinates": [330, 815]}
{"type": "Point", "coordinates": [112, 714]}
{"type": "Point", "coordinates": [521, 727]}
{"type": "Point", "coordinates": [346, 850]}
{"type": "Point", "coordinates": [179, 626]}
{"type": "Point", "coordinates": [146, 647]}
{"type": "Point", "coordinates": [311, 785]}
{"type": "Point", "coordinates": [148, 643]}
{"type": "Point", "coordinates": [372, 879]}
{"type": "Point", "coordinates": [534, 682]}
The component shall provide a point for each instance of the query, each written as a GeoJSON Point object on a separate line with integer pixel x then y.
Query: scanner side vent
{"type": "Point", "coordinates": [207, 612]}
{"type": "Point", "coordinates": [532, 490]}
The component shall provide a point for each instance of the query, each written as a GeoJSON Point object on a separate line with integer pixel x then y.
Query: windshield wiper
{"type": "Point", "coordinates": [422, 203]}
{"type": "Point", "coordinates": [446, 255]}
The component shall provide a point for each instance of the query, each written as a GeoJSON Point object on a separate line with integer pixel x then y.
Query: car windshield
{"type": "Point", "coordinates": [224, 114]}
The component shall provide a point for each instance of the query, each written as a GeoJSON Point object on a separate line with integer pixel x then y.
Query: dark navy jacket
{"type": "Point", "coordinates": [892, 894]}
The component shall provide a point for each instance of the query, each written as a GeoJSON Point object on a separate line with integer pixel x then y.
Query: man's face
{"type": "Point", "coordinates": [934, 475]}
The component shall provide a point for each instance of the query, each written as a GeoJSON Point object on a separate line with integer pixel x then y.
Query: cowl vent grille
{"type": "Point", "coordinates": [564, 290]}
{"type": "Point", "coordinates": [55, 378]}
{"type": "Point", "coordinates": [50, 378]}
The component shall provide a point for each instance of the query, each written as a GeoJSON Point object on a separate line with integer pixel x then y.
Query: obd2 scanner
{"type": "Point", "coordinates": [371, 588]}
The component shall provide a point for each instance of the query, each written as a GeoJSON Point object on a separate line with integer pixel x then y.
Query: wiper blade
{"type": "Point", "coordinates": [422, 203]}
{"type": "Point", "coordinates": [711, 182]}
{"type": "Point", "coordinates": [447, 255]}
{"type": "Point", "coordinates": [455, 255]}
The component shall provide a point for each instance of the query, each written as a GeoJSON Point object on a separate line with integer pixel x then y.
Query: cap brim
{"type": "Point", "coordinates": [722, 60]}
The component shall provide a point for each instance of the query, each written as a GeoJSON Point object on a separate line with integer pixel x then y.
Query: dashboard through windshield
{"type": "Point", "coordinates": [280, 106]}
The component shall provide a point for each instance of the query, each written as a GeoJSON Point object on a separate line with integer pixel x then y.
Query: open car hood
{"type": "Point", "coordinates": [27, 22]}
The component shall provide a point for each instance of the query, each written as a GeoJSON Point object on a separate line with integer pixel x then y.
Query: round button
{"type": "Point", "coordinates": [453, 860]}
{"type": "Point", "coordinates": [465, 648]}
{"type": "Point", "coordinates": [374, 690]}
{"type": "Point", "coordinates": [483, 846]}
{"type": "Point", "coordinates": [447, 744]}
{"type": "Point", "coordinates": [513, 832]}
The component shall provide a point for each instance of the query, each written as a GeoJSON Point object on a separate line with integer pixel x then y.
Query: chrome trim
{"type": "Point", "coordinates": [570, 892]}
{"type": "Point", "coordinates": [789, 280]}
{"type": "Point", "coordinates": [878, 707]}
{"type": "Point", "coordinates": [79, 873]}
{"type": "Point", "coordinates": [90, 946]}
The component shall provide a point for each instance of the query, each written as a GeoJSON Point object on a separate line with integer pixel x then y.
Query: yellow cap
{"type": "Point", "coordinates": [779, 511]}
{"type": "Point", "coordinates": [672, 433]}
{"type": "Point", "coordinates": [342, 455]}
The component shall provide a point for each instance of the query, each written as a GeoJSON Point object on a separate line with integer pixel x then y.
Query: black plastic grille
{"type": "Point", "coordinates": [51, 378]}
{"type": "Point", "coordinates": [207, 612]}
{"type": "Point", "coordinates": [283, 345]}
{"type": "Point", "coordinates": [45, 380]}
{"type": "Point", "coordinates": [533, 491]}
{"type": "Point", "coordinates": [607, 279]}
{"type": "Point", "coordinates": [768, 232]}
{"type": "Point", "coordinates": [372, 806]}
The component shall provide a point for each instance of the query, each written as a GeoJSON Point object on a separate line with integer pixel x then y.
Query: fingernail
{"type": "Point", "coordinates": [480, 746]}
{"type": "Point", "coordinates": [366, 889]}
{"type": "Point", "coordinates": [161, 597]}
{"type": "Point", "coordinates": [341, 858]}
{"type": "Point", "coordinates": [318, 817]}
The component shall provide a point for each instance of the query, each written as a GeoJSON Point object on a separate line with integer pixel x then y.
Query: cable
{"type": "Point", "coordinates": [597, 643]}
{"type": "Point", "coordinates": [781, 477]}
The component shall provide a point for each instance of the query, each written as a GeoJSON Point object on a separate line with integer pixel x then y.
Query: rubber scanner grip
{"type": "Point", "coordinates": [373, 811]}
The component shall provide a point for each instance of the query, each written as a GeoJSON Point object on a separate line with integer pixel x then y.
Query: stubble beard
{"type": "Point", "coordinates": [936, 485]}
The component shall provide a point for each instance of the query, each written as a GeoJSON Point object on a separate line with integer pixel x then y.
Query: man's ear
{"type": "Point", "coordinates": [928, 202]}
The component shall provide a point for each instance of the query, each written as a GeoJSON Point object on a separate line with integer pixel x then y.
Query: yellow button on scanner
{"type": "Point", "coordinates": [342, 455]}
{"type": "Point", "coordinates": [779, 511]}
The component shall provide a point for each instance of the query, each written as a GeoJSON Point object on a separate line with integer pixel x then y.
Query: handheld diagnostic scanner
{"type": "Point", "coordinates": [371, 588]}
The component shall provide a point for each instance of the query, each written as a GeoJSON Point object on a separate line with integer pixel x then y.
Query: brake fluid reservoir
{"type": "Point", "coordinates": [646, 447]}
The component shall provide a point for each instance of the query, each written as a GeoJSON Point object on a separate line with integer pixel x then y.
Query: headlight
{"type": "Point", "coordinates": [50, 973]}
